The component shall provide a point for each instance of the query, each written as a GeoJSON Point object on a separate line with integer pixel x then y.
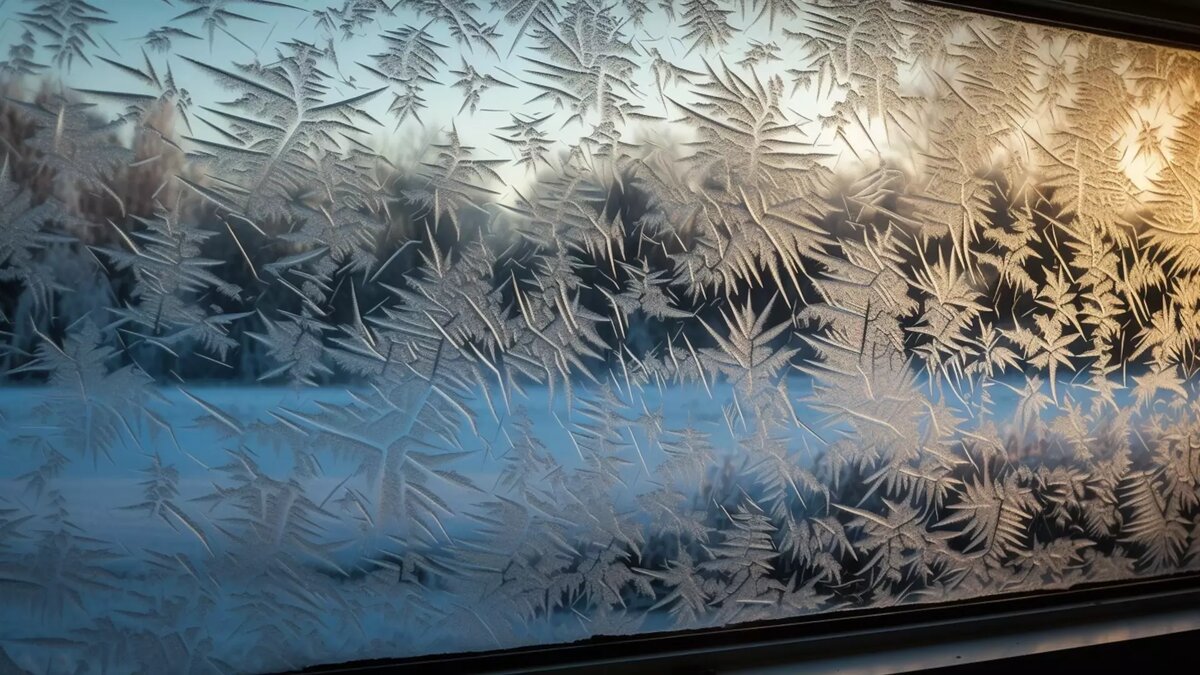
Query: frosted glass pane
{"type": "Point", "coordinates": [339, 330]}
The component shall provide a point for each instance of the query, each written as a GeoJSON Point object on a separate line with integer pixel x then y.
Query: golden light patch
{"type": "Point", "coordinates": [1144, 144]}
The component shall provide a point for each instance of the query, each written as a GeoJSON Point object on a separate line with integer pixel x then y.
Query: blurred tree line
{"type": "Point", "coordinates": [102, 215]}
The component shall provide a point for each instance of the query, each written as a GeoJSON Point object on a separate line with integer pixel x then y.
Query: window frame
{"type": "Point", "coordinates": [1170, 23]}
{"type": "Point", "coordinates": [898, 639]}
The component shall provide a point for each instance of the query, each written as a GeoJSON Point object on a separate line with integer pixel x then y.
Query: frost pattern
{"type": "Point", "coordinates": [348, 329]}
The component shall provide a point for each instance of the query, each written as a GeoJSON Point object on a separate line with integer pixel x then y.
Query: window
{"type": "Point", "coordinates": [344, 330]}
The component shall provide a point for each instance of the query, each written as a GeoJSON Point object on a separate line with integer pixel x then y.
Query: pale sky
{"type": "Point", "coordinates": [249, 40]}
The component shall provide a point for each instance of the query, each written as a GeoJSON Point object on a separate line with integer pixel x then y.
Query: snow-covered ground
{"type": "Point", "coordinates": [178, 426]}
{"type": "Point", "coordinates": [96, 488]}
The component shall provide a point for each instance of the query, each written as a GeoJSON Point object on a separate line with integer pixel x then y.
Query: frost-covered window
{"type": "Point", "coordinates": [348, 329]}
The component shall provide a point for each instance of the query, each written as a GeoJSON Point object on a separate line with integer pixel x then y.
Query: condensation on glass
{"type": "Point", "coordinates": [341, 330]}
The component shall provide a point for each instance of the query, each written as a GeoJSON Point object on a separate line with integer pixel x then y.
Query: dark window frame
{"type": "Point", "coordinates": [1171, 23]}
{"type": "Point", "coordinates": [903, 638]}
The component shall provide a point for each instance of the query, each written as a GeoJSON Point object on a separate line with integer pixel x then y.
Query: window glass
{"type": "Point", "coordinates": [343, 330]}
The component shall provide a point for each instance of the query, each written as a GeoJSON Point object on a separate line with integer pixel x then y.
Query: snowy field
{"type": "Point", "coordinates": [193, 429]}
{"type": "Point", "coordinates": [98, 488]}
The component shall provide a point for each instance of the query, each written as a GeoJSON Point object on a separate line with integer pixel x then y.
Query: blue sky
{"type": "Point", "coordinates": [247, 41]}
{"type": "Point", "coordinates": [258, 37]}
